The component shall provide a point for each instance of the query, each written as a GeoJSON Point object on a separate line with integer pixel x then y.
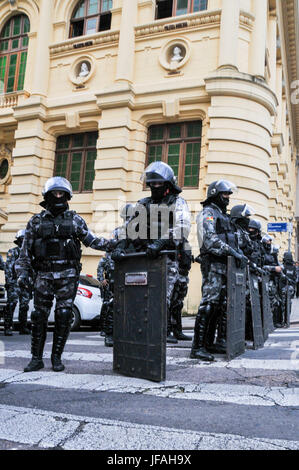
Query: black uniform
{"type": "Point", "coordinates": [287, 284]}
{"type": "Point", "coordinates": [105, 272]}
{"type": "Point", "coordinates": [51, 248]}
{"type": "Point", "coordinates": [15, 293]}
{"type": "Point", "coordinates": [270, 263]}
{"type": "Point", "coordinates": [150, 232]}
{"type": "Point", "coordinates": [217, 240]}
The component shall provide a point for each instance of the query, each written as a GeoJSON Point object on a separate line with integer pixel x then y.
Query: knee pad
{"type": "Point", "coordinates": [63, 314]}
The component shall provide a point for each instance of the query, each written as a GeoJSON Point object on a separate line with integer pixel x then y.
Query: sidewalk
{"type": "Point", "coordinates": [188, 322]}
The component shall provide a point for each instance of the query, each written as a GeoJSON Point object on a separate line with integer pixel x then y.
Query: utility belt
{"type": "Point", "coordinates": [56, 266]}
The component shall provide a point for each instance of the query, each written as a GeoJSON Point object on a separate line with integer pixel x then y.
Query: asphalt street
{"type": "Point", "coordinates": [251, 402]}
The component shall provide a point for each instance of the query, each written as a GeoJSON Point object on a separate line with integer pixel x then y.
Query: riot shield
{"type": "Point", "coordinates": [140, 317]}
{"type": "Point", "coordinates": [288, 306]}
{"type": "Point", "coordinates": [236, 290]}
{"type": "Point", "coordinates": [267, 317]}
{"type": "Point", "coordinates": [256, 314]}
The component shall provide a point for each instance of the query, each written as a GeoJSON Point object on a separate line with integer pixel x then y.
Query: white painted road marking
{"type": "Point", "coordinates": [49, 429]}
{"type": "Point", "coordinates": [225, 393]}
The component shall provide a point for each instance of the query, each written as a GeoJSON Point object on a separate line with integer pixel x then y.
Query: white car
{"type": "Point", "coordinates": [87, 305]}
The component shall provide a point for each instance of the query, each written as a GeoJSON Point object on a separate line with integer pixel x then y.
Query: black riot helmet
{"type": "Point", "coordinates": [241, 213]}
{"type": "Point", "coordinates": [58, 183]}
{"type": "Point", "coordinates": [218, 192]}
{"type": "Point", "coordinates": [127, 211]}
{"type": "Point", "coordinates": [288, 258]}
{"type": "Point", "coordinates": [255, 229]}
{"type": "Point", "coordinates": [267, 242]}
{"type": "Point", "coordinates": [54, 203]}
{"type": "Point", "coordinates": [160, 172]}
{"type": "Point", "coordinates": [19, 237]}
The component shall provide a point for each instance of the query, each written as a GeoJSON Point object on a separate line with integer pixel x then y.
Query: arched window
{"type": "Point", "coordinates": [90, 17]}
{"type": "Point", "coordinates": [13, 53]}
{"type": "Point", "coordinates": [167, 8]}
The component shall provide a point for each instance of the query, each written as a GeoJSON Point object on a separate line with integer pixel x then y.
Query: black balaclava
{"type": "Point", "coordinates": [243, 223]}
{"type": "Point", "coordinates": [254, 235]}
{"type": "Point", "coordinates": [267, 247]}
{"type": "Point", "coordinates": [19, 241]}
{"type": "Point", "coordinates": [159, 193]}
{"type": "Point", "coordinates": [56, 205]}
{"type": "Point", "coordinates": [221, 202]}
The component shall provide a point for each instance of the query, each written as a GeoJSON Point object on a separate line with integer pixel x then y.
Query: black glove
{"type": "Point", "coordinates": [198, 259]}
{"type": "Point", "coordinates": [241, 260]}
{"type": "Point", "coordinates": [154, 248]}
{"type": "Point", "coordinates": [117, 255]}
{"type": "Point", "coordinates": [24, 281]}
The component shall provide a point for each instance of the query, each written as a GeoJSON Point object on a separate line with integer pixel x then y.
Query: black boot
{"type": "Point", "coordinates": [171, 338]}
{"type": "Point", "coordinates": [109, 341]}
{"type": "Point", "coordinates": [8, 321]}
{"type": "Point", "coordinates": [198, 350]}
{"type": "Point", "coordinates": [38, 339]}
{"type": "Point", "coordinates": [220, 345]}
{"type": "Point", "coordinates": [109, 325]}
{"type": "Point", "coordinates": [23, 326]}
{"type": "Point", "coordinates": [63, 322]}
{"type": "Point", "coordinates": [178, 333]}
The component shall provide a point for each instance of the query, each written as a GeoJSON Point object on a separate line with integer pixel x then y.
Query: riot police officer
{"type": "Point", "coordinates": [271, 265]}
{"type": "Point", "coordinates": [105, 277]}
{"type": "Point", "coordinates": [179, 293]}
{"type": "Point", "coordinates": [217, 240]}
{"type": "Point", "coordinates": [150, 232]}
{"type": "Point", "coordinates": [14, 292]}
{"type": "Point", "coordinates": [287, 284]}
{"type": "Point", "coordinates": [51, 248]}
{"type": "Point", "coordinates": [255, 233]}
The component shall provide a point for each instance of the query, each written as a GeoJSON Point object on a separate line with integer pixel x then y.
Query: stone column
{"type": "Point", "coordinates": [229, 34]}
{"type": "Point", "coordinates": [272, 47]}
{"type": "Point", "coordinates": [126, 48]}
{"type": "Point", "coordinates": [258, 40]}
{"type": "Point", "coordinates": [42, 57]}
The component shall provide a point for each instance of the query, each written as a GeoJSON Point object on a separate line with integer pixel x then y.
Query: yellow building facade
{"type": "Point", "coordinates": [94, 90]}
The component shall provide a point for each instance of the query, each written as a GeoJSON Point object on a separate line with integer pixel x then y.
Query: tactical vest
{"type": "Point", "coordinates": [159, 219]}
{"type": "Point", "coordinates": [56, 240]}
{"type": "Point", "coordinates": [257, 254]}
{"type": "Point", "coordinates": [225, 232]}
{"type": "Point", "coordinates": [270, 259]}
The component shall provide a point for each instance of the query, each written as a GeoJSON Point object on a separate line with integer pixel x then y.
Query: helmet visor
{"type": "Point", "coordinates": [157, 172]}
{"type": "Point", "coordinates": [225, 186]}
{"type": "Point", "coordinates": [248, 211]}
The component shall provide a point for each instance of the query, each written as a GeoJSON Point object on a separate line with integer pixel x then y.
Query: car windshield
{"type": "Point", "coordinates": [89, 281]}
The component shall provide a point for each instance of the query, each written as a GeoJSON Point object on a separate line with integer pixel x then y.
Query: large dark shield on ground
{"type": "Point", "coordinates": [236, 290]}
{"type": "Point", "coordinates": [267, 317]}
{"type": "Point", "coordinates": [256, 312]}
{"type": "Point", "coordinates": [140, 317]}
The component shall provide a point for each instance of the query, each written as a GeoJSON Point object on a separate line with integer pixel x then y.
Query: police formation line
{"type": "Point", "coordinates": [46, 264]}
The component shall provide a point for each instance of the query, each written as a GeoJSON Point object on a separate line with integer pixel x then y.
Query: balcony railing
{"type": "Point", "coordinates": [11, 100]}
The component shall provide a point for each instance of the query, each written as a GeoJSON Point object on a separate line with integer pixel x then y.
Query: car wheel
{"type": "Point", "coordinates": [76, 320]}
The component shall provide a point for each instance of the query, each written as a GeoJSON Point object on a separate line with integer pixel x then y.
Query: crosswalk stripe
{"type": "Point", "coordinates": [49, 429]}
{"type": "Point", "coordinates": [225, 393]}
{"type": "Point", "coordinates": [80, 356]}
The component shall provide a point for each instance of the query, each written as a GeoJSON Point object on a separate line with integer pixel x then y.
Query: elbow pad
{"type": "Point", "coordinates": [89, 239]}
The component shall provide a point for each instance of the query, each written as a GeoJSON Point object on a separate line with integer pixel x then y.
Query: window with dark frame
{"type": "Point", "coordinates": [13, 53]}
{"type": "Point", "coordinates": [168, 8]}
{"type": "Point", "coordinates": [90, 17]}
{"type": "Point", "coordinates": [75, 157]}
{"type": "Point", "coordinates": [179, 146]}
